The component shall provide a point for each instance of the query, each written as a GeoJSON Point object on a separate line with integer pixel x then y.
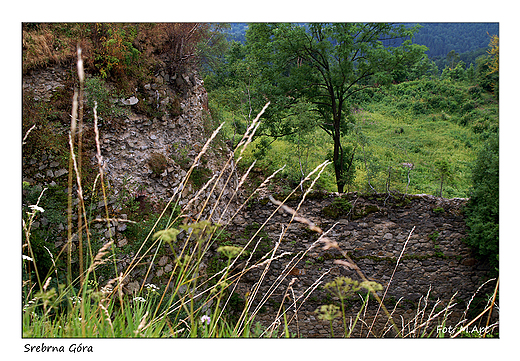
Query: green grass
{"type": "Point", "coordinates": [422, 122]}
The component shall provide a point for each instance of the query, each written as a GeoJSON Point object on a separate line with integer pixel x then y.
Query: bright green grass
{"type": "Point", "coordinates": [423, 142]}
{"type": "Point", "coordinates": [418, 122]}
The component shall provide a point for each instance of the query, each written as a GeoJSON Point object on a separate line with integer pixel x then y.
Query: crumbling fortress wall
{"type": "Point", "coordinates": [374, 230]}
{"type": "Point", "coordinates": [149, 156]}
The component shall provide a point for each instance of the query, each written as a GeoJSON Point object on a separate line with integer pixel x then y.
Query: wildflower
{"type": "Point", "coordinates": [36, 208]}
{"type": "Point", "coordinates": [371, 286]}
{"type": "Point", "coordinates": [29, 304]}
{"type": "Point", "coordinates": [205, 320]}
{"type": "Point", "coordinates": [151, 287]}
{"type": "Point", "coordinates": [229, 251]}
{"type": "Point", "coordinates": [106, 289]}
{"type": "Point", "coordinates": [26, 257]}
{"type": "Point", "coordinates": [343, 287]}
{"type": "Point", "coordinates": [167, 235]}
{"type": "Point", "coordinates": [328, 312]}
{"type": "Point", "coordinates": [139, 299]}
{"type": "Point", "coordinates": [75, 300]}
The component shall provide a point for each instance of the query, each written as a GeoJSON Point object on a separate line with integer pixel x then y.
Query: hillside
{"type": "Point", "coordinates": [467, 39]}
{"type": "Point", "coordinates": [438, 115]}
{"type": "Point", "coordinates": [441, 38]}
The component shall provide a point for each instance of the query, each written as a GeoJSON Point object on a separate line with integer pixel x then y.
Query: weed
{"type": "Point", "coordinates": [340, 206]}
{"type": "Point", "coordinates": [157, 163]}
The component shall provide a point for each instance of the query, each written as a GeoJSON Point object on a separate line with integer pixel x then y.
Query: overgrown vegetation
{"type": "Point", "coordinates": [419, 134]}
{"type": "Point", "coordinates": [80, 290]}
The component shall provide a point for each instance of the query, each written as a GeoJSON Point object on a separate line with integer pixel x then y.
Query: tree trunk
{"type": "Point", "coordinates": [338, 155]}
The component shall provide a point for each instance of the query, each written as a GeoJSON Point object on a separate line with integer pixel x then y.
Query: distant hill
{"type": "Point", "coordinates": [440, 38]}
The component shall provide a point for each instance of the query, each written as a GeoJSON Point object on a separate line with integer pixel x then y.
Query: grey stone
{"type": "Point", "coordinates": [130, 101]}
{"type": "Point", "coordinates": [163, 261]}
{"type": "Point", "coordinates": [60, 172]}
{"type": "Point", "coordinates": [110, 232]}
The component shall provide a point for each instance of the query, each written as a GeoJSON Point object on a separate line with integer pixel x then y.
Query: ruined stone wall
{"type": "Point", "coordinates": [144, 157]}
{"type": "Point", "coordinates": [174, 138]}
{"type": "Point", "coordinates": [129, 142]}
{"type": "Point", "coordinates": [436, 262]}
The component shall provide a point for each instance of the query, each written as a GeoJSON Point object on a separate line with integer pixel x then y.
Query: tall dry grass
{"type": "Point", "coordinates": [191, 303]}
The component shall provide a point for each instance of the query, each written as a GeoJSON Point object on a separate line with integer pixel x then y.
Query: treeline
{"type": "Point", "coordinates": [468, 40]}
{"type": "Point", "coordinates": [441, 38]}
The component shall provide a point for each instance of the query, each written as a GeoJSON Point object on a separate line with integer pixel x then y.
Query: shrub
{"type": "Point", "coordinates": [339, 206]}
{"type": "Point", "coordinates": [483, 207]}
{"type": "Point", "coordinates": [157, 163]}
{"type": "Point", "coordinates": [97, 90]}
{"type": "Point", "coordinates": [199, 176]}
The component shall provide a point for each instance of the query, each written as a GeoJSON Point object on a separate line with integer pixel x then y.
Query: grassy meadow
{"type": "Point", "coordinates": [425, 123]}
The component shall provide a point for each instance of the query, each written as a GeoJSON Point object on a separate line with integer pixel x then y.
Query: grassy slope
{"type": "Point", "coordinates": [437, 118]}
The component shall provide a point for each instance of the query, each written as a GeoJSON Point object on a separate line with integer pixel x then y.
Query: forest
{"type": "Point", "coordinates": [440, 38]}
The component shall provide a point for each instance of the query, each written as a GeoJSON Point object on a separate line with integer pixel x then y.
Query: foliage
{"type": "Point", "coordinates": [444, 170]}
{"type": "Point", "coordinates": [340, 206]}
{"type": "Point", "coordinates": [325, 64]}
{"type": "Point", "coordinates": [199, 176]}
{"type": "Point", "coordinates": [441, 38]}
{"type": "Point", "coordinates": [116, 52]}
{"type": "Point", "coordinates": [482, 215]}
{"type": "Point", "coordinates": [97, 90]}
{"type": "Point", "coordinates": [439, 118]}
{"type": "Point", "coordinates": [49, 44]}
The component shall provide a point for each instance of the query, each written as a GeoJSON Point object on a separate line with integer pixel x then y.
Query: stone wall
{"type": "Point", "coordinates": [436, 262]}
{"type": "Point", "coordinates": [129, 143]}
{"type": "Point", "coordinates": [129, 146]}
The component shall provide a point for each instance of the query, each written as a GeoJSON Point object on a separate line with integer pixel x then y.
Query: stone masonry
{"type": "Point", "coordinates": [436, 263]}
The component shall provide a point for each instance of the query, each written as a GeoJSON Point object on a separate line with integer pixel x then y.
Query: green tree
{"type": "Point", "coordinates": [325, 64]}
{"type": "Point", "coordinates": [482, 214]}
{"type": "Point", "coordinates": [488, 67]}
{"type": "Point", "coordinates": [453, 59]}
{"type": "Point", "coordinates": [470, 73]}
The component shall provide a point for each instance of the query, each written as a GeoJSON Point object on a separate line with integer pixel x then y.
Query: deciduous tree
{"type": "Point", "coordinates": [325, 64]}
